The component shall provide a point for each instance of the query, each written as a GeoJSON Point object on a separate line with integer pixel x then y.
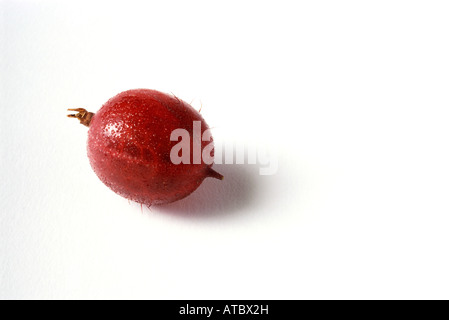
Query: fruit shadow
{"type": "Point", "coordinates": [215, 198]}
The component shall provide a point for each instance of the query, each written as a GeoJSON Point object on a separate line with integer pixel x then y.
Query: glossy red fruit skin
{"type": "Point", "coordinates": [129, 147]}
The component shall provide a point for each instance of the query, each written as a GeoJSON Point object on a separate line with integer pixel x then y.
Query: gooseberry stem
{"type": "Point", "coordinates": [214, 174]}
{"type": "Point", "coordinates": [83, 116]}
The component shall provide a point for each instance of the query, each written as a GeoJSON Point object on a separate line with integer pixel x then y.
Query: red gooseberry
{"type": "Point", "coordinates": [129, 146]}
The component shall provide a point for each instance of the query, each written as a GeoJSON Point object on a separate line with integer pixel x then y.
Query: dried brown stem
{"type": "Point", "coordinates": [214, 174]}
{"type": "Point", "coordinates": [83, 116]}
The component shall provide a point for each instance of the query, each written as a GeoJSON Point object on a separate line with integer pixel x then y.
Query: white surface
{"type": "Point", "coordinates": [353, 94]}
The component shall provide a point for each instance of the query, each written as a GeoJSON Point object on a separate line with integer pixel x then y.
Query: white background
{"type": "Point", "coordinates": [353, 95]}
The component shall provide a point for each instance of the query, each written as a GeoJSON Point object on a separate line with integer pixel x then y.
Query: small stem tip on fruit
{"type": "Point", "coordinates": [83, 115]}
{"type": "Point", "coordinates": [214, 174]}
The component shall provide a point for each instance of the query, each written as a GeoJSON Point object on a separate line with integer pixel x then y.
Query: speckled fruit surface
{"type": "Point", "coordinates": [129, 146]}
